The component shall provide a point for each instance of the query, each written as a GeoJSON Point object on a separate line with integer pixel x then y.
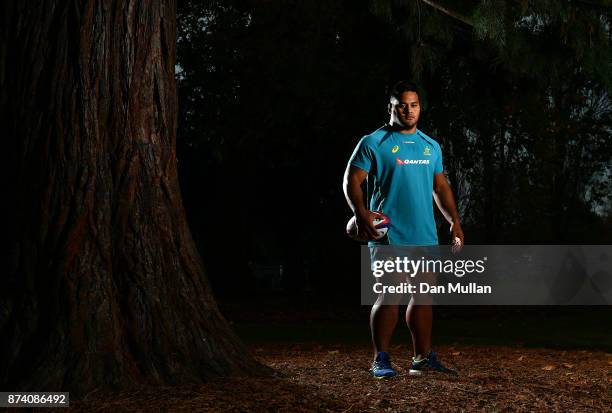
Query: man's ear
{"type": "Point", "coordinates": [389, 106]}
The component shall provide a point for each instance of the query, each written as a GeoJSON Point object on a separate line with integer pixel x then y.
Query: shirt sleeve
{"type": "Point", "coordinates": [438, 168]}
{"type": "Point", "coordinates": [363, 156]}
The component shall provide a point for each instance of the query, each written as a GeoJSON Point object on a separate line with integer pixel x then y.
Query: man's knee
{"type": "Point", "coordinates": [389, 300]}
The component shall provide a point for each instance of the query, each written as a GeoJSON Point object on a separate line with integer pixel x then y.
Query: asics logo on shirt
{"type": "Point", "coordinates": [412, 161]}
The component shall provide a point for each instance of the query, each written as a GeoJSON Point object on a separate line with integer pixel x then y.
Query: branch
{"type": "Point", "coordinates": [602, 5]}
{"type": "Point", "coordinates": [450, 13]}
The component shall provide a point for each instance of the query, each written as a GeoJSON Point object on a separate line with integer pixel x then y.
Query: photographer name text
{"type": "Point", "coordinates": [426, 288]}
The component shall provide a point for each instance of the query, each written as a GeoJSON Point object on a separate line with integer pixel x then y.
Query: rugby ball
{"type": "Point", "coordinates": [381, 223]}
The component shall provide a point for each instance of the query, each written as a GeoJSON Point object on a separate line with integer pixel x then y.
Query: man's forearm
{"type": "Point", "coordinates": [353, 178]}
{"type": "Point", "coordinates": [354, 195]}
{"type": "Point", "coordinates": [446, 203]}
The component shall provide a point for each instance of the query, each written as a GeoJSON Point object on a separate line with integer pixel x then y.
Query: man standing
{"type": "Point", "coordinates": [404, 170]}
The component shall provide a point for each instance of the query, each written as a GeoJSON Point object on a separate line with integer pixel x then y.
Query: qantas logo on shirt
{"type": "Point", "coordinates": [412, 161]}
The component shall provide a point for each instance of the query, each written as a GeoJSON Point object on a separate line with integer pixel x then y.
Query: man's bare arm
{"type": "Point", "coordinates": [353, 178]}
{"type": "Point", "coordinates": [443, 195]}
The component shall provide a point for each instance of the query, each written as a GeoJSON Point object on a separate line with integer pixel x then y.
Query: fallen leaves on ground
{"type": "Point", "coordinates": [335, 378]}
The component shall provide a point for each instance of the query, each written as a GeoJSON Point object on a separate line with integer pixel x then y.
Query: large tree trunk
{"type": "Point", "coordinates": [101, 283]}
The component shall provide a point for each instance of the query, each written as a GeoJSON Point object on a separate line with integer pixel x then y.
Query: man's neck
{"type": "Point", "coordinates": [402, 129]}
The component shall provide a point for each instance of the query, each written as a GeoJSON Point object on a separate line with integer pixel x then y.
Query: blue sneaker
{"type": "Point", "coordinates": [430, 363]}
{"type": "Point", "coordinates": [381, 367]}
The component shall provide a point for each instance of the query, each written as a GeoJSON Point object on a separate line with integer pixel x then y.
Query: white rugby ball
{"type": "Point", "coordinates": [381, 223]}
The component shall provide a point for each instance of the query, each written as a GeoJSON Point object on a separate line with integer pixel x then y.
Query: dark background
{"type": "Point", "coordinates": [274, 96]}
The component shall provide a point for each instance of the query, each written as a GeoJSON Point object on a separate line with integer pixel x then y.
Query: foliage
{"type": "Point", "coordinates": [523, 109]}
{"type": "Point", "coordinates": [274, 95]}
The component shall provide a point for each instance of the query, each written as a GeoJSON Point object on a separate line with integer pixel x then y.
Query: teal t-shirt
{"type": "Point", "coordinates": [401, 169]}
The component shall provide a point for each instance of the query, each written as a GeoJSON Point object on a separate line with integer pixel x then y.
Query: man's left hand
{"type": "Point", "coordinates": [457, 235]}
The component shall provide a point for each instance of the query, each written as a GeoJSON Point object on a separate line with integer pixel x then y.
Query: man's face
{"type": "Point", "coordinates": [405, 111]}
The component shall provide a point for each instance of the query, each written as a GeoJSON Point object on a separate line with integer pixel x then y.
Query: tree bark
{"type": "Point", "coordinates": [102, 285]}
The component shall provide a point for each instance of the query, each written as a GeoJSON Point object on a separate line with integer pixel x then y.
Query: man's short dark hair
{"type": "Point", "coordinates": [401, 87]}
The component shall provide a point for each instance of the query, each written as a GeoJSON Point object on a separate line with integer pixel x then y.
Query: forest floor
{"type": "Point", "coordinates": [509, 359]}
{"type": "Point", "coordinates": [333, 377]}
